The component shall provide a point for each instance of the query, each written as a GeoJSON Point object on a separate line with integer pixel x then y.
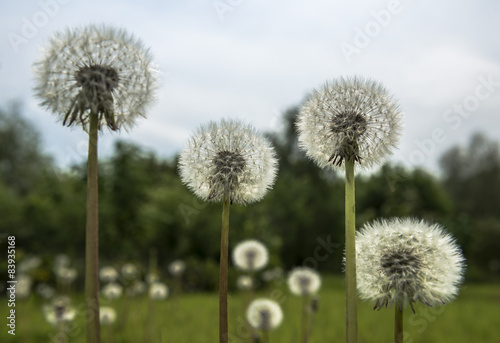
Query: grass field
{"type": "Point", "coordinates": [473, 317]}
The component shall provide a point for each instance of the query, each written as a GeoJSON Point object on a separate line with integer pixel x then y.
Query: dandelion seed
{"type": "Point", "coordinates": [403, 261]}
{"type": "Point", "coordinates": [264, 314]}
{"type": "Point", "coordinates": [177, 267]}
{"type": "Point", "coordinates": [158, 291]}
{"type": "Point", "coordinates": [228, 158]}
{"type": "Point", "coordinates": [250, 255]}
{"type": "Point", "coordinates": [303, 281]}
{"type": "Point", "coordinates": [349, 118]}
{"type": "Point", "coordinates": [99, 70]}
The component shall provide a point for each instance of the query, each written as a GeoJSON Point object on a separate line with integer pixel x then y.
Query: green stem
{"type": "Point", "coordinates": [350, 253]}
{"type": "Point", "coordinates": [305, 319]}
{"type": "Point", "coordinates": [92, 241]}
{"type": "Point", "coordinates": [398, 324]}
{"type": "Point", "coordinates": [224, 242]}
{"type": "Point", "coordinates": [265, 336]}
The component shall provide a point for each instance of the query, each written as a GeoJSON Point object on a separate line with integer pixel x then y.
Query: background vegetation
{"type": "Point", "coordinates": [144, 206]}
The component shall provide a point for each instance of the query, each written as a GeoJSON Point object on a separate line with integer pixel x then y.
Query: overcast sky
{"type": "Point", "coordinates": [253, 59]}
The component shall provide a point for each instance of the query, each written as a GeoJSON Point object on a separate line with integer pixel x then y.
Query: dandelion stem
{"type": "Point", "coordinates": [92, 241]}
{"type": "Point", "coordinates": [265, 336]}
{"type": "Point", "coordinates": [305, 319]}
{"type": "Point", "coordinates": [350, 253]}
{"type": "Point", "coordinates": [398, 324]}
{"type": "Point", "coordinates": [224, 242]}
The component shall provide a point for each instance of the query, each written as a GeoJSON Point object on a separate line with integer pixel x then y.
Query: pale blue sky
{"type": "Point", "coordinates": [253, 59]}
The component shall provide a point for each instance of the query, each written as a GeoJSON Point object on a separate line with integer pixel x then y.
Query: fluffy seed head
{"type": "Point", "coordinates": [250, 255]}
{"type": "Point", "coordinates": [108, 274]}
{"type": "Point", "coordinates": [59, 311]}
{"type": "Point", "coordinates": [244, 282]}
{"type": "Point", "coordinates": [158, 291]}
{"type": "Point", "coordinates": [403, 261]}
{"type": "Point", "coordinates": [67, 275]}
{"type": "Point", "coordinates": [264, 314]}
{"type": "Point", "coordinates": [107, 315]}
{"type": "Point", "coordinates": [95, 69]}
{"type": "Point", "coordinates": [176, 267]}
{"type": "Point", "coordinates": [112, 291]}
{"type": "Point", "coordinates": [349, 118]}
{"type": "Point", "coordinates": [304, 281]}
{"type": "Point", "coordinates": [228, 158]}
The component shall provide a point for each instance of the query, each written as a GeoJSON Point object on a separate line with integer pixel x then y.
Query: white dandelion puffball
{"type": "Point", "coordinates": [107, 315]}
{"type": "Point", "coordinates": [23, 286]}
{"type": "Point", "coordinates": [96, 69]}
{"type": "Point", "coordinates": [59, 311]}
{"type": "Point", "coordinates": [158, 291]}
{"type": "Point", "coordinates": [108, 274]}
{"type": "Point", "coordinates": [349, 118]}
{"type": "Point", "coordinates": [244, 282]}
{"type": "Point", "coordinates": [130, 271]}
{"type": "Point", "coordinates": [304, 281]}
{"type": "Point", "coordinates": [112, 291]}
{"type": "Point", "coordinates": [403, 261]}
{"type": "Point", "coordinates": [250, 255]}
{"type": "Point", "coordinates": [67, 275]}
{"type": "Point", "coordinates": [264, 314]}
{"type": "Point", "coordinates": [228, 158]}
{"type": "Point", "coordinates": [176, 267]}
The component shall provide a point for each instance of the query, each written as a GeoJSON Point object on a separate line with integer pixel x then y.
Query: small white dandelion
{"type": "Point", "coordinates": [23, 286]}
{"type": "Point", "coordinates": [108, 274]}
{"type": "Point", "coordinates": [107, 315]}
{"type": "Point", "coordinates": [244, 282]}
{"type": "Point", "coordinates": [130, 271]}
{"type": "Point", "coordinates": [404, 261]}
{"type": "Point", "coordinates": [264, 314]}
{"type": "Point", "coordinates": [250, 255]}
{"type": "Point", "coordinates": [112, 291]}
{"type": "Point", "coordinates": [230, 159]}
{"type": "Point", "coordinates": [304, 281]}
{"type": "Point", "coordinates": [67, 275]}
{"type": "Point", "coordinates": [59, 311]}
{"type": "Point", "coordinates": [177, 267]}
{"type": "Point", "coordinates": [99, 70]}
{"type": "Point", "coordinates": [158, 291]}
{"type": "Point", "coordinates": [349, 118]}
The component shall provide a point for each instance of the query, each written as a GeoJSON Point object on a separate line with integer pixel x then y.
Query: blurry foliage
{"type": "Point", "coordinates": [144, 205]}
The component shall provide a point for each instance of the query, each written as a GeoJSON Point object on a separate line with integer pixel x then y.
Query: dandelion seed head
{"type": "Point", "coordinates": [112, 291]}
{"type": "Point", "coordinates": [244, 282]}
{"type": "Point", "coordinates": [130, 271]}
{"type": "Point", "coordinates": [401, 261]}
{"type": "Point", "coordinates": [176, 267]}
{"type": "Point", "coordinates": [250, 255]}
{"type": "Point", "coordinates": [264, 314]}
{"type": "Point", "coordinates": [304, 281]}
{"type": "Point", "coordinates": [228, 158]}
{"type": "Point", "coordinates": [96, 69]}
{"type": "Point", "coordinates": [59, 311]}
{"type": "Point", "coordinates": [349, 118]}
{"type": "Point", "coordinates": [158, 291]}
{"type": "Point", "coordinates": [108, 274]}
{"type": "Point", "coordinates": [107, 315]}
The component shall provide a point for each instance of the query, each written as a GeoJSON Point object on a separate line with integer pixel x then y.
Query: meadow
{"type": "Point", "coordinates": [473, 317]}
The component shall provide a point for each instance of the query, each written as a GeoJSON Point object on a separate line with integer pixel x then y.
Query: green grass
{"type": "Point", "coordinates": [193, 318]}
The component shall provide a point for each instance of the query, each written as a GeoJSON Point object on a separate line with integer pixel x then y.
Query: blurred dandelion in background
{"type": "Point", "coordinates": [176, 267]}
{"type": "Point", "coordinates": [158, 291]}
{"type": "Point", "coordinates": [264, 315]}
{"type": "Point", "coordinates": [305, 282]}
{"type": "Point", "coordinates": [112, 291]}
{"type": "Point", "coordinates": [250, 255]}
{"type": "Point", "coordinates": [403, 261]}
{"type": "Point", "coordinates": [244, 282]}
{"type": "Point", "coordinates": [108, 274]}
{"type": "Point", "coordinates": [107, 315]}
{"type": "Point", "coordinates": [130, 271]}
